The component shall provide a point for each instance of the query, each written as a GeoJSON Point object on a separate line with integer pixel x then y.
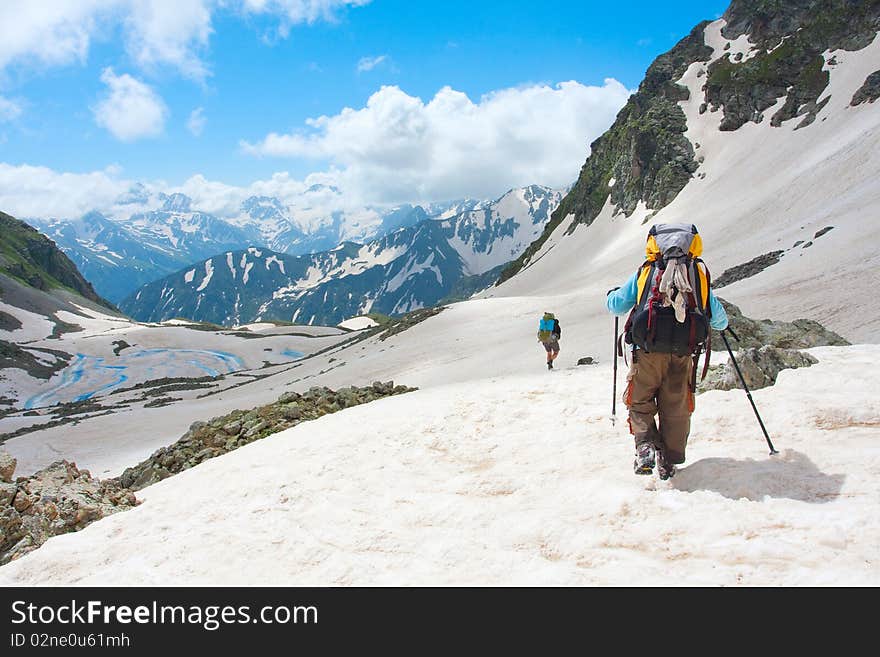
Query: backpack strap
{"type": "Point", "coordinates": [708, 354]}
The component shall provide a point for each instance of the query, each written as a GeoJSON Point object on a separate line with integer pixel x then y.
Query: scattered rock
{"type": "Point", "coordinates": [56, 500]}
{"type": "Point", "coordinates": [120, 345]}
{"type": "Point", "coordinates": [7, 466]}
{"type": "Point", "coordinates": [588, 360]}
{"type": "Point", "coordinates": [820, 233]}
{"type": "Point", "coordinates": [7, 493]}
{"type": "Point", "coordinates": [291, 412]}
{"type": "Point", "coordinates": [232, 428]}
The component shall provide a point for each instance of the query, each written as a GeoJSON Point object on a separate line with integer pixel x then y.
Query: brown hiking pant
{"type": "Point", "coordinates": [660, 384]}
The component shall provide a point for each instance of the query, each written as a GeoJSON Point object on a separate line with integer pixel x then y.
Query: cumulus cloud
{"type": "Point", "coordinates": [50, 32]}
{"type": "Point", "coordinates": [400, 148]}
{"type": "Point", "coordinates": [30, 191]}
{"type": "Point", "coordinates": [196, 121]}
{"type": "Point", "coordinates": [36, 192]}
{"type": "Point", "coordinates": [9, 110]}
{"type": "Point", "coordinates": [173, 33]}
{"type": "Point", "coordinates": [369, 63]}
{"type": "Point", "coordinates": [130, 110]}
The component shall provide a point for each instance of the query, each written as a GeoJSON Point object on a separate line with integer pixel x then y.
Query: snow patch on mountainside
{"type": "Point", "coordinates": [358, 323]}
{"type": "Point", "coordinates": [277, 261]}
{"type": "Point", "coordinates": [209, 273]}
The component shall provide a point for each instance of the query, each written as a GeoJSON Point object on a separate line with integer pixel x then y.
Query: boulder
{"type": "Point", "coordinates": [292, 411]}
{"type": "Point", "coordinates": [7, 493]}
{"type": "Point", "coordinates": [759, 366]}
{"type": "Point", "coordinates": [799, 334]}
{"type": "Point", "coordinates": [7, 466]}
{"type": "Point", "coordinates": [232, 428]}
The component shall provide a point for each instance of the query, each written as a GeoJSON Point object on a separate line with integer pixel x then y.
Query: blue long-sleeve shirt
{"type": "Point", "coordinates": [621, 301]}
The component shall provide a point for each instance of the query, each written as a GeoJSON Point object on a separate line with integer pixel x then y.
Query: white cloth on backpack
{"type": "Point", "coordinates": [675, 286]}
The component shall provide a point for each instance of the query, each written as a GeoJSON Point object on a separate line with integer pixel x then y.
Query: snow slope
{"type": "Point", "coordinates": [513, 481]}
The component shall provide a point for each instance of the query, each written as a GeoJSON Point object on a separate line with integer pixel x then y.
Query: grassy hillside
{"type": "Point", "coordinates": [33, 259]}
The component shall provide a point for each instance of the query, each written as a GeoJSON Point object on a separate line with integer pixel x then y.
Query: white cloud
{"type": "Point", "coordinates": [172, 33]}
{"type": "Point", "coordinates": [196, 122]}
{"type": "Point", "coordinates": [399, 148]}
{"type": "Point", "coordinates": [369, 63]}
{"type": "Point", "coordinates": [40, 192]}
{"type": "Point", "coordinates": [29, 191]}
{"type": "Point", "coordinates": [131, 110]}
{"type": "Point", "coordinates": [9, 110]}
{"type": "Point", "coordinates": [51, 32]}
{"type": "Point", "coordinates": [293, 12]}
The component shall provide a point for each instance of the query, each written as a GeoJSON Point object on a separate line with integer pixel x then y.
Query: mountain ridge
{"type": "Point", "coordinates": [407, 269]}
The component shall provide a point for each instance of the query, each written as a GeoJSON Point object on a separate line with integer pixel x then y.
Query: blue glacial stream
{"type": "Point", "coordinates": [88, 376]}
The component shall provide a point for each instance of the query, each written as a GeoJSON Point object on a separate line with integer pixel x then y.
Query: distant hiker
{"type": "Point", "coordinates": [548, 335]}
{"type": "Point", "coordinates": [672, 308]}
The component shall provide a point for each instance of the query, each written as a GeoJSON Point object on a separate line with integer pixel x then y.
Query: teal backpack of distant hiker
{"type": "Point", "coordinates": [547, 326]}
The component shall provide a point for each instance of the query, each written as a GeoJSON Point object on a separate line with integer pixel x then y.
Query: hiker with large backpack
{"type": "Point", "coordinates": [671, 309]}
{"type": "Point", "coordinates": [549, 333]}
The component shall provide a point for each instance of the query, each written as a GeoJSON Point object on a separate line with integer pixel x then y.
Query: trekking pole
{"type": "Point", "coordinates": [614, 386]}
{"type": "Point", "coordinates": [614, 358]}
{"type": "Point", "coordinates": [745, 387]}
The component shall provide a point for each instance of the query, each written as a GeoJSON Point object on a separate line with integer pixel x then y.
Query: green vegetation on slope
{"type": "Point", "coordinates": [33, 259]}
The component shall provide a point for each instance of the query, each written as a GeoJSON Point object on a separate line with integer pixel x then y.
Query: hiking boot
{"type": "Point", "coordinates": [549, 364]}
{"type": "Point", "coordinates": [644, 463]}
{"type": "Point", "coordinates": [664, 470]}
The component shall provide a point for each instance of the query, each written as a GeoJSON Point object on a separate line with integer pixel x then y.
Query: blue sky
{"type": "Point", "coordinates": [252, 68]}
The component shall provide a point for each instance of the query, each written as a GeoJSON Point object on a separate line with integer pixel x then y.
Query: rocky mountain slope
{"type": "Point", "coordinates": [410, 268]}
{"type": "Point", "coordinates": [774, 51]}
{"type": "Point", "coordinates": [31, 259]}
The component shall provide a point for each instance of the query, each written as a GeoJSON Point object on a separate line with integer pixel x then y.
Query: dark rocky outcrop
{"type": "Point", "coordinates": [56, 500]}
{"type": "Point", "coordinates": [205, 440]}
{"type": "Point", "coordinates": [13, 356]}
{"type": "Point", "coordinates": [747, 269]}
{"type": "Point", "coordinates": [789, 37]}
{"type": "Point", "coordinates": [8, 322]}
{"type": "Point", "coordinates": [868, 92]}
